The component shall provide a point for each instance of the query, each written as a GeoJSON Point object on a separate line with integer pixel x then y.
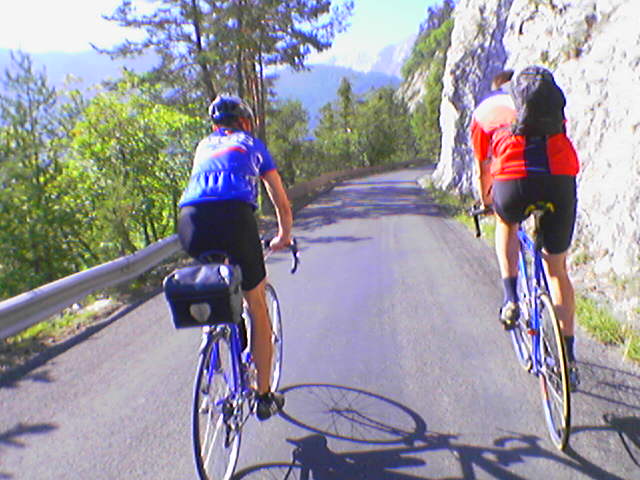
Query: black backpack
{"type": "Point", "coordinates": [539, 102]}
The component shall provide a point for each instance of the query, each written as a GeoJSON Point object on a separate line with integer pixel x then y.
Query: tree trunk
{"type": "Point", "coordinates": [204, 67]}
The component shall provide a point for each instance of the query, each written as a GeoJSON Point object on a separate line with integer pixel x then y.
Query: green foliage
{"type": "Point", "coordinates": [208, 47]}
{"type": "Point", "coordinates": [333, 141]}
{"type": "Point", "coordinates": [362, 132]}
{"type": "Point", "coordinates": [288, 141]}
{"type": "Point", "coordinates": [429, 57]}
{"type": "Point", "coordinates": [433, 39]}
{"type": "Point", "coordinates": [425, 119]}
{"type": "Point", "coordinates": [34, 210]}
{"type": "Point", "coordinates": [84, 182]}
{"type": "Point", "coordinates": [383, 133]}
{"type": "Point", "coordinates": [599, 321]}
{"type": "Point", "coordinates": [132, 160]}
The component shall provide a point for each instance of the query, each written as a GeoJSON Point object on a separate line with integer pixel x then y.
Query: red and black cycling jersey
{"type": "Point", "coordinates": [517, 156]}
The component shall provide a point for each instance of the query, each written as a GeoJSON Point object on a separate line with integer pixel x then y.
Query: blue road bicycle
{"type": "Point", "coordinates": [224, 390]}
{"type": "Point", "coordinates": [537, 337]}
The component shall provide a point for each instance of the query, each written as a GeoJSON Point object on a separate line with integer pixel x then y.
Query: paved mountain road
{"type": "Point", "coordinates": [395, 368]}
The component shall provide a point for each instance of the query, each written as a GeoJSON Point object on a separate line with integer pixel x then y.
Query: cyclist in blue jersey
{"type": "Point", "coordinates": [217, 213]}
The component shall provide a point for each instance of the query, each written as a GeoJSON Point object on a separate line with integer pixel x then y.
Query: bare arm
{"type": "Point", "coordinates": [482, 164]}
{"type": "Point", "coordinates": [278, 196]}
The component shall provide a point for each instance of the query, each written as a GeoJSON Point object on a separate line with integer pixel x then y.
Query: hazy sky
{"type": "Point", "coordinates": [70, 25]}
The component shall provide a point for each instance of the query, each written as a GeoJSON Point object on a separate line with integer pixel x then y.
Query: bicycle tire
{"type": "Point", "coordinates": [275, 318]}
{"type": "Point", "coordinates": [276, 471]}
{"type": "Point", "coordinates": [554, 375]}
{"type": "Point", "coordinates": [216, 439]}
{"type": "Point", "coordinates": [520, 336]}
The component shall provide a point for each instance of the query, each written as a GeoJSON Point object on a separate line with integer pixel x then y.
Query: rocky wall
{"type": "Point", "coordinates": [593, 48]}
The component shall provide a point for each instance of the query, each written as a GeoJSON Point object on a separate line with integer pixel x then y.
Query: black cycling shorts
{"type": "Point", "coordinates": [229, 226]}
{"type": "Point", "coordinates": [512, 197]}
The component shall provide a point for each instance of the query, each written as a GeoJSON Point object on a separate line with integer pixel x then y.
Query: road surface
{"type": "Point", "coordinates": [395, 368]}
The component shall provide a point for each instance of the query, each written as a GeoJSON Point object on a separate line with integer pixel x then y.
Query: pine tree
{"type": "Point", "coordinates": [206, 47]}
{"type": "Point", "coordinates": [33, 240]}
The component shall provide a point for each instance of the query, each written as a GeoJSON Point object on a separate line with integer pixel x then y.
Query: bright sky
{"type": "Point", "coordinates": [71, 25]}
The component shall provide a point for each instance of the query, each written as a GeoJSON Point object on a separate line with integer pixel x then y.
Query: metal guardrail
{"type": "Point", "coordinates": [27, 309]}
{"type": "Point", "coordinates": [21, 312]}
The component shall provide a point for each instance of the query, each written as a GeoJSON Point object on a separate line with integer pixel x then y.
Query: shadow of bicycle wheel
{"type": "Point", "coordinates": [350, 414]}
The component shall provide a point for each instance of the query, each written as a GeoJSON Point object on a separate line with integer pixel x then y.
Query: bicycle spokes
{"type": "Point", "coordinates": [216, 436]}
{"type": "Point", "coordinates": [554, 380]}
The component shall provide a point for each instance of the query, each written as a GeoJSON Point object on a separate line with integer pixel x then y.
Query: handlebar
{"type": "Point", "coordinates": [476, 211]}
{"type": "Point", "coordinates": [293, 248]}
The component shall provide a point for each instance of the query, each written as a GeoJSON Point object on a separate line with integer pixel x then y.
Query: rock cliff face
{"type": "Point", "coordinates": [593, 48]}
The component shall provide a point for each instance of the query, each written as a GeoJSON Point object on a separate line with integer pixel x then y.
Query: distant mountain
{"type": "Point", "coordinates": [388, 60]}
{"type": "Point", "coordinates": [319, 85]}
{"type": "Point", "coordinates": [91, 67]}
{"type": "Point", "coordinates": [391, 58]}
{"type": "Point", "coordinates": [314, 87]}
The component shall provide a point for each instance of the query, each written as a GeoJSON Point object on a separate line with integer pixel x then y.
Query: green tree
{"type": "Point", "coordinates": [331, 140]}
{"type": "Point", "coordinates": [288, 140]}
{"type": "Point", "coordinates": [132, 160]}
{"type": "Point", "coordinates": [429, 57]}
{"type": "Point", "coordinates": [34, 248]}
{"type": "Point", "coordinates": [432, 38]}
{"type": "Point", "coordinates": [208, 46]}
{"type": "Point", "coordinates": [335, 133]}
{"type": "Point", "coordinates": [383, 129]}
{"type": "Point", "coordinates": [364, 131]}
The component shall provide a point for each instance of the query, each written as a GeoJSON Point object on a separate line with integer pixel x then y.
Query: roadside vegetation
{"type": "Point", "coordinates": [597, 319]}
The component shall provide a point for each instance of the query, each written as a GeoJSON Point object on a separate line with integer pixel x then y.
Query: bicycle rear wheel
{"type": "Point", "coordinates": [273, 307]}
{"type": "Point", "coordinates": [216, 437]}
{"type": "Point", "coordinates": [520, 337]}
{"type": "Point", "coordinates": [554, 375]}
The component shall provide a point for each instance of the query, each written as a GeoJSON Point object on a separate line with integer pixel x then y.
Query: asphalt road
{"type": "Point", "coordinates": [395, 368]}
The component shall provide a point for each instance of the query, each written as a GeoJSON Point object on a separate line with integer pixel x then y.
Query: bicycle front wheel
{"type": "Point", "coordinates": [216, 437]}
{"type": "Point", "coordinates": [273, 307]}
{"type": "Point", "coordinates": [554, 375]}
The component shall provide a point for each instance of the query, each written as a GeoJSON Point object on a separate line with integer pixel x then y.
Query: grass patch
{"type": "Point", "coordinates": [599, 322]}
{"type": "Point", "coordinates": [453, 205]}
{"type": "Point", "coordinates": [62, 324]}
{"type": "Point", "coordinates": [632, 346]}
{"type": "Point", "coordinates": [632, 351]}
{"type": "Point", "coordinates": [602, 324]}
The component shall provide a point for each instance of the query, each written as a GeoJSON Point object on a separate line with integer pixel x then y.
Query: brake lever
{"type": "Point", "coordinates": [293, 248]}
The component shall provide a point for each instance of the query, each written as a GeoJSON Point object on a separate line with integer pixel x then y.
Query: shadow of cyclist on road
{"type": "Point", "coordinates": [401, 446]}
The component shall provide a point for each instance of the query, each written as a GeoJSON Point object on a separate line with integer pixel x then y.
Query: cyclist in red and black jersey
{"type": "Point", "coordinates": [525, 169]}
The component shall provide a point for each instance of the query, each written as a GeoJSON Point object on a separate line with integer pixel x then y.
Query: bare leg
{"type": "Point", "coordinates": [562, 292]}
{"type": "Point", "coordinates": [506, 246]}
{"type": "Point", "coordinates": [261, 347]}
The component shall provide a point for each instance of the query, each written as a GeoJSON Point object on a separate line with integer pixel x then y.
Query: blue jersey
{"type": "Point", "coordinates": [227, 166]}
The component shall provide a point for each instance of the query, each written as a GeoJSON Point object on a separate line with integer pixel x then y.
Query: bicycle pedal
{"type": "Point", "coordinates": [508, 326]}
{"type": "Point", "coordinates": [227, 411]}
{"type": "Point", "coordinates": [204, 406]}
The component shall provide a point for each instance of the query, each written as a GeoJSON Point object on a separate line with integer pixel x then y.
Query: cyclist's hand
{"type": "Point", "coordinates": [488, 208]}
{"type": "Point", "coordinates": [279, 242]}
{"type": "Point", "coordinates": [487, 197]}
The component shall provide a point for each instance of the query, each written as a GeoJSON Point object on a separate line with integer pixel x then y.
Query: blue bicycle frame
{"type": "Point", "coordinates": [237, 382]}
{"type": "Point", "coordinates": [533, 285]}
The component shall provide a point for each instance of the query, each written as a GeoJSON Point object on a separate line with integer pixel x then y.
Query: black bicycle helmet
{"type": "Point", "coordinates": [228, 108]}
